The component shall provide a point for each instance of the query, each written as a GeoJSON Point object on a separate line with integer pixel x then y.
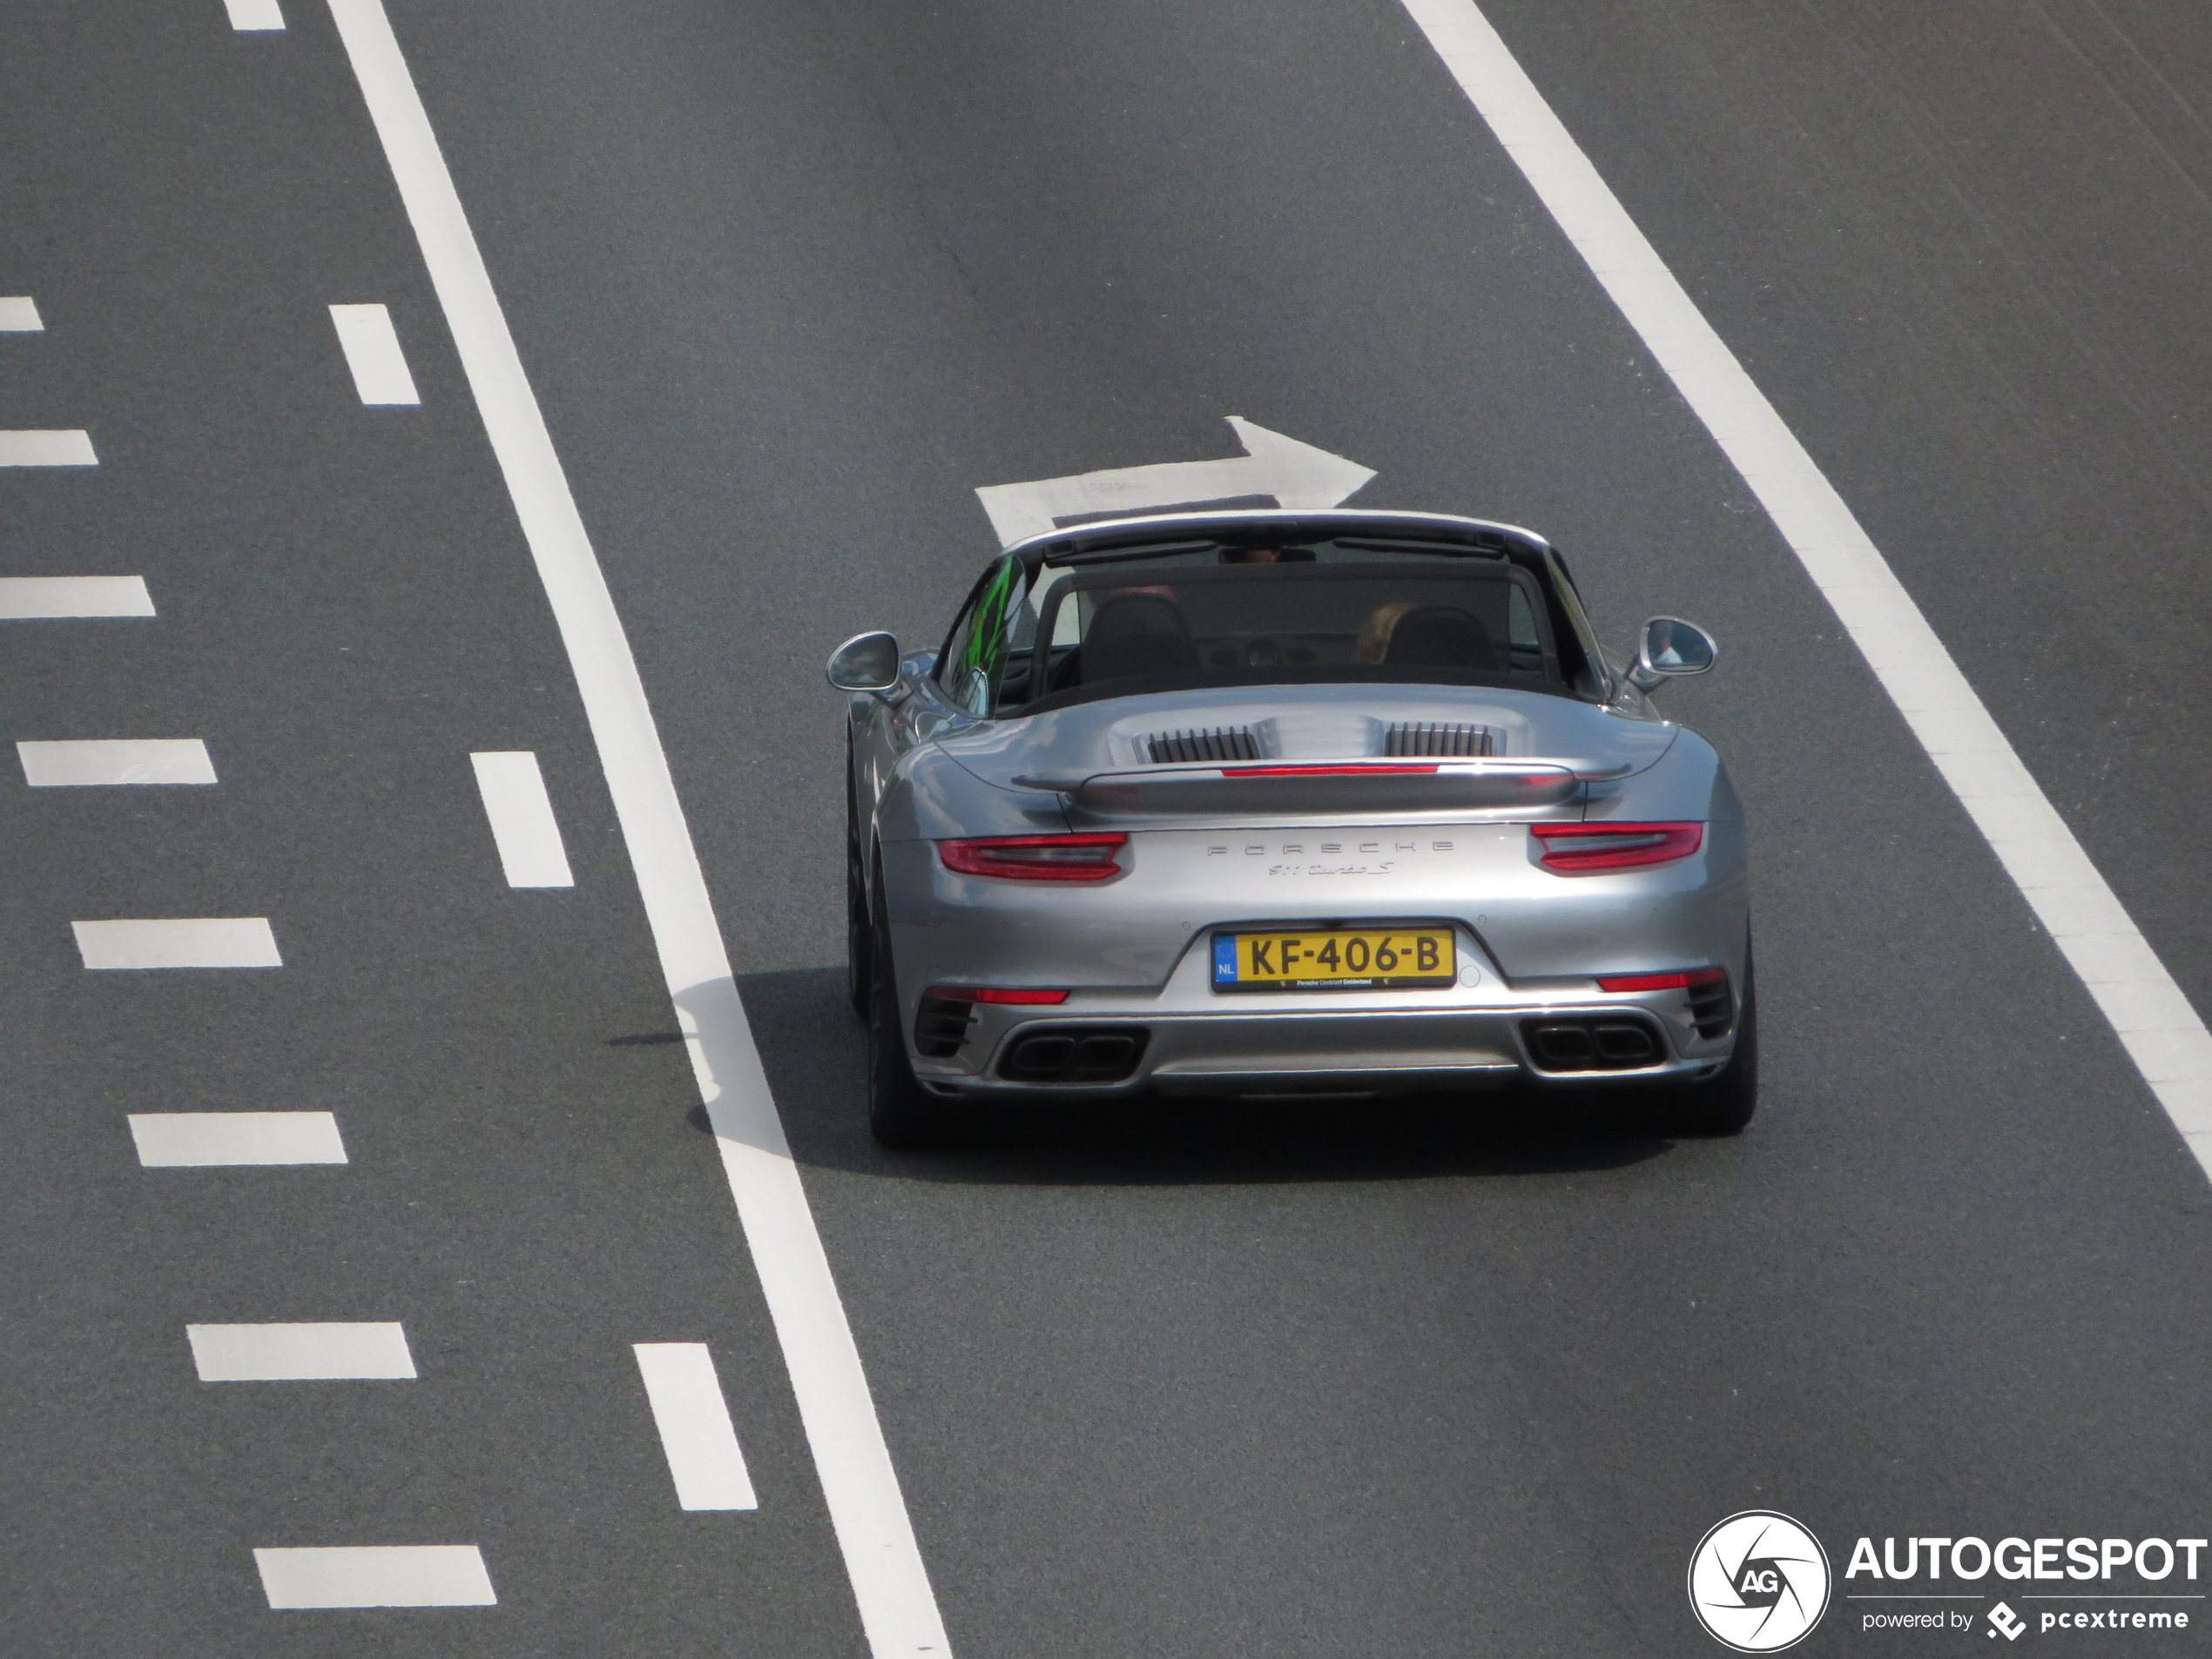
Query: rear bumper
{"type": "Point", "coordinates": [1280, 1051]}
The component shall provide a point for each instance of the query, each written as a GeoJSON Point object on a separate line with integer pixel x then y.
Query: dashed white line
{"type": "Point", "coordinates": [2154, 1021]}
{"type": "Point", "coordinates": [522, 824]}
{"type": "Point", "coordinates": [696, 1434]}
{"type": "Point", "coordinates": [254, 15]}
{"type": "Point", "coordinates": [204, 1140]}
{"type": "Point", "coordinates": [19, 315]}
{"type": "Point", "coordinates": [24, 598]}
{"type": "Point", "coordinates": [360, 1352]}
{"type": "Point", "coordinates": [84, 763]}
{"type": "Point", "coordinates": [898, 1610]}
{"type": "Point", "coordinates": [376, 1575]}
{"type": "Point", "coordinates": [196, 941]}
{"type": "Point", "coordinates": [372, 349]}
{"type": "Point", "coordinates": [56, 448]}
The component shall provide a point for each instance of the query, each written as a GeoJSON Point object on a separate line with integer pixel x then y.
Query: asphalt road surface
{"type": "Point", "coordinates": [791, 281]}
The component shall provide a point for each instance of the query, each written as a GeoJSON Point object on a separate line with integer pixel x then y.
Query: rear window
{"type": "Point", "coordinates": [1218, 615]}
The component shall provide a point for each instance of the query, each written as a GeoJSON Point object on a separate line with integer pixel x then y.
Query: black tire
{"type": "Point", "coordinates": [901, 1114]}
{"type": "Point", "coordinates": [1723, 1105]}
{"type": "Point", "coordinates": [859, 933]}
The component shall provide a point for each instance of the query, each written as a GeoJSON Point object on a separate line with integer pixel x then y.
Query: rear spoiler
{"type": "Point", "coordinates": [1327, 787]}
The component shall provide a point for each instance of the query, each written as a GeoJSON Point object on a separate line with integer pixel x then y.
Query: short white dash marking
{"type": "Point", "coordinates": [695, 1429]}
{"type": "Point", "coordinates": [47, 449]}
{"type": "Point", "coordinates": [299, 1352]}
{"type": "Point", "coordinates": [202, 1140]}
{"type": "Point", "coordinates": [372, 353]}
{"type": "Point", "coordinates": [115, 760]}
{"type": "Point", "coordinates": [254, 15]}
{"type": "Point", "coordinates": [25, 598]}
{"type": "Point", "coordinates": [19, 315]}
{"type": "Point", "coordinates": [522, 824]}
{"type": "Point", "coordinates": [376, 1575]}
{"type": "Point", "coordinates": [200, 941]}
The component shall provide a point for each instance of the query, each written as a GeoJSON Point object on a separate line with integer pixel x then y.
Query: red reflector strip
{"type": "Point", "coordinates": [1660, 981]}
{"type": "Point", "coordinates": [1572, 849]}
{"type": "Point", "coordinates": [1018, 994]}
{"type": "Point", "coordinates": [1321, 772]}
{"type": "Point", "coordinates": [1036, 858]}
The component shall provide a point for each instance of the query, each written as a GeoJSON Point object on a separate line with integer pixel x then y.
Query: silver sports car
{"type": "Point", "coordinates": [1279, 805]}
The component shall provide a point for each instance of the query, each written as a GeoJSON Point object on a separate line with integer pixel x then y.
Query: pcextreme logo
{"type": "Point", "coordinates": [1758, 1581]}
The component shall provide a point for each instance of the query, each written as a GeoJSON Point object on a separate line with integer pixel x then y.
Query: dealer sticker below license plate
{"type": "Point", "coordinates": [1334, 960]}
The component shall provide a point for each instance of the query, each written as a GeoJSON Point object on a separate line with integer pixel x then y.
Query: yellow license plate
{"type": "Point", "coordinates": [1334, 960]}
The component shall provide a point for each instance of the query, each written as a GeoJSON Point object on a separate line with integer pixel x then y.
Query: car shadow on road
{"type": "Point", "coordinates": [815, 1053]}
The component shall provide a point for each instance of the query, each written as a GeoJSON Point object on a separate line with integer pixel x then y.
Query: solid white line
{"type": "Point", "coordinates": [255, 14]}
{"type": "Point", "coordinates": [2161, 1031]}
{"type": "Point", "coordinates": [203, 1140]}
{"type": "Point", "coordinates": [25, 598]}
{"type": "Point", "coordinates": [19, 315]}
{"type": "Point", "coordinates": [376, 1575]}
{"type": "Point", "coordinates": [695, 1433]}
{"type": "Point", "coordinates": [522, 824]}
{"type": "Point", "coordinates": [196, 942]}
{"type": "Point", "coordinates": [362, 1353]}
{"type": "Point", "coordinates": [84, 762]}
{"type": "Point", "coordinates": [898, 1610]}
{"type": "Point", "coordinates": [47, 449]}
{"type": "Point", "coordinates": [372, 353]}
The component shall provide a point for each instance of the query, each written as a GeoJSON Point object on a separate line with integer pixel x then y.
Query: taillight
{"type": "Point", "coordinates": [1660, 981]}
{"type": "Point", "coordinates": [1022, 995]}
{"type": "Point", "coordinates": [1036, 858]}
{"type": "Point", "coordinates": [1577, 849]}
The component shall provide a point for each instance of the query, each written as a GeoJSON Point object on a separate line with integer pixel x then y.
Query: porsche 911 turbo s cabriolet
{"type": "Point", "coordinates": [1280, 805]}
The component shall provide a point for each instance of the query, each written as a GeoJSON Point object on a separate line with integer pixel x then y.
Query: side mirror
{"type": "Point", "coordinates": [1667, 647]}
{"type": "Point", "coordinates": [865, 663]}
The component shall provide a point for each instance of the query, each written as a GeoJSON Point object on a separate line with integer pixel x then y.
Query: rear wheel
{"type": "Point", "coordinates": [860, 934]}
{"type": "Point", "coordinates": [1723, 1105]}
{"type": "Point", "coordinates": [902, 1115]}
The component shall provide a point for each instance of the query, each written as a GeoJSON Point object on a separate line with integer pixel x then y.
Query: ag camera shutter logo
{"type": "Point", "coordinates": [1758, 1581]}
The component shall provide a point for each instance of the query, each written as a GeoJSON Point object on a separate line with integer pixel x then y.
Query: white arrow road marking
{"type": "Point", "coordinates": [1296, 475]}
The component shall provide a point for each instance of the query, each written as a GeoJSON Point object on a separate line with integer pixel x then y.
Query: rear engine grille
{"type": "Point", "coordinates": [1075, 1055]}
{"type": "Point", "coordinates": [942, 1026]}
{"type": "Point", "coordinates": [1712, 1007]}
{"type": "Point", "coordinates": [1429, 739]}
{"type": "Point", "coordinates": [1595, 1044]}
{"type": "Point", "coordinates": [1219, 743]}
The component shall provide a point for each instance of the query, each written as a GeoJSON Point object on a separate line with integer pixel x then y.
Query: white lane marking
{"type": "Point", "coordinates": [875, 1534]}
{"type": "Point", "coordinates": [204, 1140]}
{"type": "Point", "coordinates": [376, 1575]}
{"type": "Point", "coordinates": [196, 942]}
{"type": "Point", "coordinates": [47, 449]}
{"type": "Point", "coordinates": [695, 1433]}
{"type": "Point", "coordinates": [85, 762]}
{"type": "Point", "coordinates": [19, 315]}
{"type": "Point", "coordinates": [24, 597]}
{"type": "Point", "coordinates": [363, 1352]}
{"type": "Point", "coordinates": [372, 353]}
{"type": "Point", "coordinates": [1296, 475]}
{"type": "Point", "coordinates": [522, 824]}
{"type": "Point", "coordinates": [254, 15]}
{"type": "Point", "coordinates": [2161, 1033]}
